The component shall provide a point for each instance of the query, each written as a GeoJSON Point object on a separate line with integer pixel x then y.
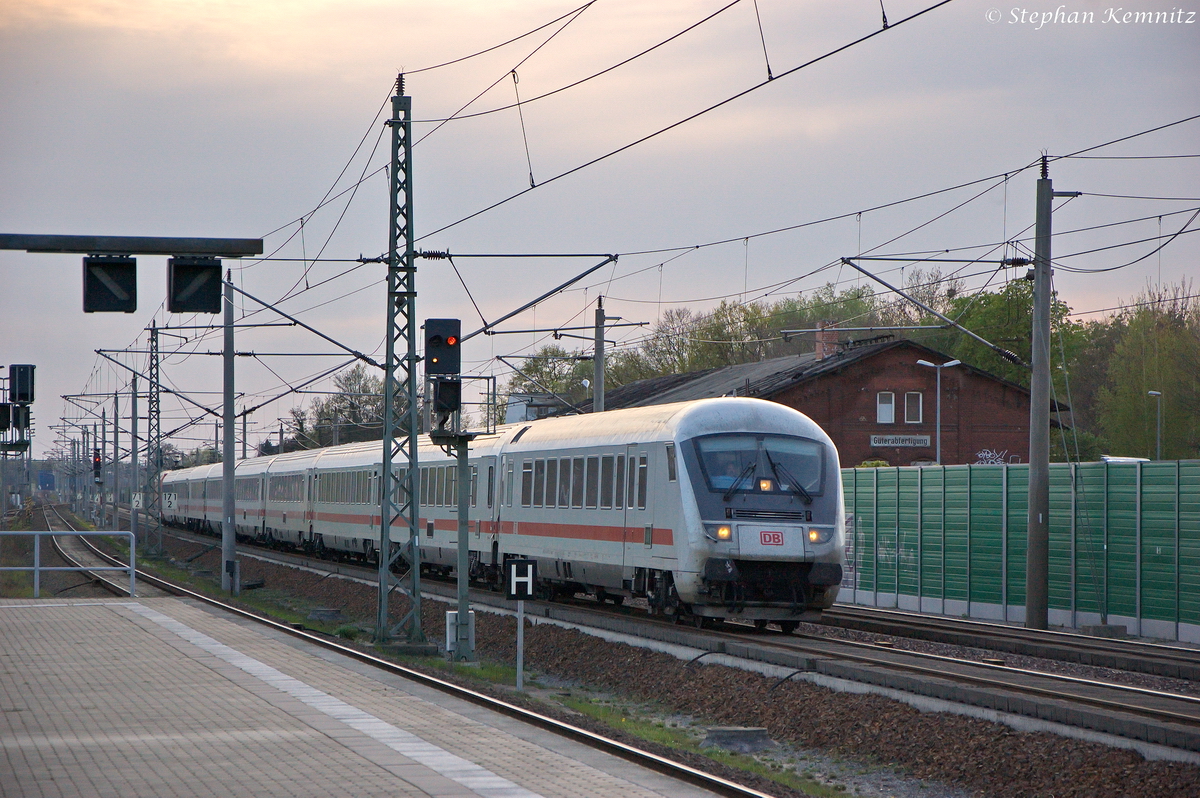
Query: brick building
{"type": "Point", "coordinates": [872, 398]}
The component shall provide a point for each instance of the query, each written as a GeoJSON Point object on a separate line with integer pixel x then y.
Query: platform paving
{"type": "Point", "coordinates": [163, 697]}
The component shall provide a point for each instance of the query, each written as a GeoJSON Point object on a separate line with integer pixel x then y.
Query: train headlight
{"type": "Point", "coordinates": [819, 535]}
{"type": "Point", "coordinates": [765, 485]}
{"type": "Point", "coordinates": [719, 532]}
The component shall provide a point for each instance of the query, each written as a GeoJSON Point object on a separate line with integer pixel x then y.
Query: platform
{"type": "Point", "coordinates": [162, 697]}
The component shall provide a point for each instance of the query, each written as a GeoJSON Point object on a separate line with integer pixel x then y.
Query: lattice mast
{"type": "Point", "coordinates": [399, 499]}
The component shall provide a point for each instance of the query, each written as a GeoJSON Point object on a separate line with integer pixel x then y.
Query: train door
{"type": "Point", "coordinates": [485, 510]}
{"type": "Point", "coordinates": [639, 510]}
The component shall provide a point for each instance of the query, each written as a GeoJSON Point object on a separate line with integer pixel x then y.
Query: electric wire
{"type": "Point", "coordinates": [593, 76]}
{"type": "Point", "coordinates": [1129, 196]}
{"type": "Point", "coordinates": [680, 122]}
{"type": "Point", "coordinates": [763, 39]}
{"type": "Point", "coordinates": [524, 137]}
{"type": "Point", "coordinates": [502, 44]}
{"type": "Point", "coordinates": [1181, 231]}
{"type": "Point", "coordinates": [1132, 305]}
{"type": "Point", "coordinates": [1129, 157]}
{"type": "Point", "coordinates": [574, 16]}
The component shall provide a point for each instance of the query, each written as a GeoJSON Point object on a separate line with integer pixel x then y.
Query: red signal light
{"type": "Point", "coordinates": [452, 340]}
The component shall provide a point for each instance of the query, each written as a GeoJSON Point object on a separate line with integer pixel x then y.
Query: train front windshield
{"type": "Point", "coordinates": [748, 463]}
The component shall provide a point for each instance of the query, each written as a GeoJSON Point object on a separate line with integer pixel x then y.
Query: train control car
{"type": "Point", "coordinates": [717, 508]}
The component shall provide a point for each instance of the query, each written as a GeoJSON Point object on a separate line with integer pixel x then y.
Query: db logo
{"type": "Point", "coordinates": [771, 538]}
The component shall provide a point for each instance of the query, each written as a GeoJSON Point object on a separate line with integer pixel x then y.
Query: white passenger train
{"type": "Point", "coordinates": [716, 508]}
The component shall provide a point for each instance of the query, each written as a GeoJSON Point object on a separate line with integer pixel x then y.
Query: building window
{"type": "Point", "coordinates": [912, 407]}
{"type": "Point", "coordinates": [885, 407]}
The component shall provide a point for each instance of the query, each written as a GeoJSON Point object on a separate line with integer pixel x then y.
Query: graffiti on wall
{"type": "Point", "coordinates": [991, 457]}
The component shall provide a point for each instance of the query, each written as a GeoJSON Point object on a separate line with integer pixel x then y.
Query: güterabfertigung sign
{"type": "Point", "coordinates": [883, 441]}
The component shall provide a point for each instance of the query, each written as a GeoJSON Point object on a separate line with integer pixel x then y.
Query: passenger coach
{"type": "Point", "coordinates": [718, 508]}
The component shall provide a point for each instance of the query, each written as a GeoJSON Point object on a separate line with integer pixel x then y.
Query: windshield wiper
{"type": "Point", "coordinates": [748, 471]}
{"type": "Point", "coordinates": [782, 474]}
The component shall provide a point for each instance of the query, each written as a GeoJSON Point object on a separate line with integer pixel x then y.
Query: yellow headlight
{"type": "Point", "coordinates": [764, 485]}
{"type": "Point", "coordinates": [813, 534]}
{"type": "Point", "coordinates": [724, 532]}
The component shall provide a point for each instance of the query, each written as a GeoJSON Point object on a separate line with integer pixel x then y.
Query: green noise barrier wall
{"type": "Point", "coordinates": [1124, 543]}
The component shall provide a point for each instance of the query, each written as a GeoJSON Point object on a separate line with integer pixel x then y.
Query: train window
{"type": "Point", "coordinates": [508, 485]}
{"type": "Point", "coordinates": [670, 462]}
{"type": "Point", "coordinates": [451, 486]}
{"type": "Point", "coordinates": [577, 482]}
{"type": "Point", "coordinates": [606, 481]}
{"type": "Point", "coordinates": [425, 486]}
{"type": "Point", "coordinates": [748, 463]}
{"type": "Point", "coordinates": [440, 486]}
{"type": "Point", "coordinates": [526, 483]}
{"type": "Point", "coordinates": [491, 485]}
{"type": "Point", "coordinates": [619, 500]}
{"type": "Point", "coordinates": [631, 483]}
{"type": "Point", "coordinates": [551, 482]}
{"type": "Point", "coordinates": [564, 482]}
{"type": "Point", "coordinates": [643, 469]}
{"type": "Point", "coordinates": [593, 482]}
{"type": "Point", "coordinates": [474, 485]}
{"type": "Point", "coordinates": [539, 482]}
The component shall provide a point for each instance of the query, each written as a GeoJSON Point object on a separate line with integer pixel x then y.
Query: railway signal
{"type": "Point", "coordinates": [447, 396]}
{"type": "Point", "coordinates": [109, 284]}
{"type": "Point", "coordinates": [193, 285]}
{"type": "Point", "coordinates": [97, 464]}
{"type": "Point", "coordinates": [20, 383]}
{"type": "Point", "coordinates": [442, 346]}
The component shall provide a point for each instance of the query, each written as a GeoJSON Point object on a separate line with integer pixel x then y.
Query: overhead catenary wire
{"type": "Point", "coordinates": [1131, 305]}
{"type": "Point", "coordinates": [762, 38]}
{"type": "Point", "coordinates": [573, 16]}
{"type": "Point", "coordinates": [680, 122]}
{"type": "Point", "coordinates": [1178, 199]}
{"type": "Point", "coordinates": [593, 76]}
{"type": "Point", "coordinates": [524, 136]}
{"type": "Point", "coordinates": [495, 47]}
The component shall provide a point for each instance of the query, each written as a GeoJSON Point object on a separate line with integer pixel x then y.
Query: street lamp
{"type": "Point", "coordinates": [1158, 427]}
{"type": "Point", "coordinates": [939, 399]}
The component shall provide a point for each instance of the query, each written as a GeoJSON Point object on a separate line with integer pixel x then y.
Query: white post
{"type": "Point", "coordinates": [520, 645]}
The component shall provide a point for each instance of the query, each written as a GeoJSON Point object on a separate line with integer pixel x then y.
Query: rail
{"type": "Point", "coordinates": [37, 566]}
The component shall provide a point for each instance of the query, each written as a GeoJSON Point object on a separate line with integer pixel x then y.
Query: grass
{"type": "Point", "coordinates": [678, 738]}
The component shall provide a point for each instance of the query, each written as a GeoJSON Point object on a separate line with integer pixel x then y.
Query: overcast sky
{"type": "Point", "coordinates": [234, 119]}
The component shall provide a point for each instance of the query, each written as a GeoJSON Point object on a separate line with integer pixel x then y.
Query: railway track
{"type": "Point", "coordinates": [81, 554]}
{"type": "Point", "coordinates": [992, 640]}
{"type": "Point", "coordinates": [1127, 655]}
{"type": "Point", "coordinates": [1157, 716]}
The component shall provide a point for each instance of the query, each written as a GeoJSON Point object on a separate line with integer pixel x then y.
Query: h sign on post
{"type": "Point", "coordinates": [520, 583]}
{"type": "Point", "coordinates": [520, 579]}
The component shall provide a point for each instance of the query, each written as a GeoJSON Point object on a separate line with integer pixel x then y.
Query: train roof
{"type": "Point", "coordinates": [653, 423]}
{"type": "Point", "coordinates": [662, 423]}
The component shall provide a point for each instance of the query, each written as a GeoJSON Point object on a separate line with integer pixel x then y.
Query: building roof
{"type": "Point", "coordinates": [764, 378]}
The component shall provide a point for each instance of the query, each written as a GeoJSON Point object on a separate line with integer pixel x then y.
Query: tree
{"type": "Point", "coordinates": [552, 369]}
{"type": "Point", "coordinates": [1157, 349]}
{"type": "Point", "coordinates": [353, 413]}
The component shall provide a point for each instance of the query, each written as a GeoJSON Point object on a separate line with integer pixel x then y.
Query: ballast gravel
{"type": "Point", "coordinates": [867, 744]}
